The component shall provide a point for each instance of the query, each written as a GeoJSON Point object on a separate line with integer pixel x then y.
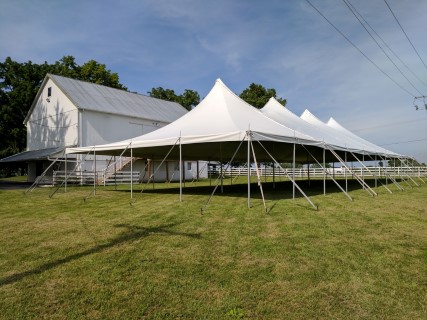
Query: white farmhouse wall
{"type": "Point", "coordinates": [101, 128]}
{"type": "Point", "coordinates": [53, 122]}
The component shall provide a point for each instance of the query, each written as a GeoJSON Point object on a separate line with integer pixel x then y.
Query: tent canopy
{"type": "Point", "coordinates": [212, 131]}
{"type": "Point", "coordinates": [345, 132]}
{"type": "Point", "coordinates": [216, 128]}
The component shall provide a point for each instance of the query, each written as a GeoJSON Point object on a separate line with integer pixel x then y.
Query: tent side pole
{"type": "Point", "coordinates": [197, 172]}
{"type": "Point", "coordinates": [288, 176]}
{"type": "Point", "coordinates": [293, 172]}
{"type": "Point", "coordinates": [375, 174]}
{"type": "Point", "coordinates": [131, 172]}
{"type": "Point", "coordinates": [218, 180]}
{"type": "Point", "coordinates": [388, 176]}
{"type": "Point", "coordinates": [180, 170]}
{"type": "Point", "coordinates": [358, 179]}
{"type": "Point", "coordinates": [333, 179]}
{"type": "Point", "coordinates": [258, 178]}
{"type": "Point", "coordinates": [249, 168]}
{"type": "Point", "coordinates": [324, 171]}
{"type": "Point", "coordinates": [405, 164]}
{"type": "Point", "coordinates": [65, 170]}
{"type": "Point", "coordinates": [94, 172]}
{"type": "Point", "coordinates": [274, 176]}
{"type": "Point", "coordinates": [222, 178]}
{"type": "Point", "coordinates": [345, 173]}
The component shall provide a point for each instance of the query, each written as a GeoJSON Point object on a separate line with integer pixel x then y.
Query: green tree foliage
{"type": "Point", "coordinates": [399, 163]}
{"type": "Point", "coordinates": [257, 95]}
{"type": "Point", "coordinates": [188, 99]}
{"type": "Point", "coordinates": [19, 83]}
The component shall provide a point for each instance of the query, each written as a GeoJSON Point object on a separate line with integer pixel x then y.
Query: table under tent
{"type": "Point", "coordinates": [226, 129]}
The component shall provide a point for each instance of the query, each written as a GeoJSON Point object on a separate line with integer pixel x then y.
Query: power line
{"type": "Point", "coordinates": [405, 33]}
{"type": "Point", "coordinates": [388, 125]}
{"type": "Point", "coordinates": [357, 48]}
{"type": "Point", "coordinates": [354, 11]}
{"type": "Point", "coordinates": [416, 140]}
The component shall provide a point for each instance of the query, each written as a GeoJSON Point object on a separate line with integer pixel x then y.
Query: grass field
{"type": "Point", "coordinates": [66, 258]}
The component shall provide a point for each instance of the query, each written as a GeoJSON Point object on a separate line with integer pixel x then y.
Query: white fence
{"type": "Point", "coordinates": [319, 172]}
{"type": "Point", "coordinates": [125, 177]}
{"type": "Point", "coordinates": [87, 177]}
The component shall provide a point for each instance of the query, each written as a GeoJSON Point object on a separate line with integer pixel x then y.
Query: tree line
{"type": "Point", "coordinates": [19, 83]}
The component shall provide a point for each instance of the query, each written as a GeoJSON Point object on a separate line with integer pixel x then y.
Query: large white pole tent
{"type": "Point", "coordinates": [215, 129]}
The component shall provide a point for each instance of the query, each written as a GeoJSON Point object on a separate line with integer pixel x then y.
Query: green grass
{"type": "Point", "coordinates": [66, 258]}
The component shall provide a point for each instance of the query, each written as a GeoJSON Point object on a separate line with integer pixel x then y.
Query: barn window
{"type": "Point", "coordinates": [188, 165]}
{"type": "Point", "coordinates": [49, 91]}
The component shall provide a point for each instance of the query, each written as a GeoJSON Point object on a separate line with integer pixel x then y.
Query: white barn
{"type": "Point", "coordinates": [68, 112]}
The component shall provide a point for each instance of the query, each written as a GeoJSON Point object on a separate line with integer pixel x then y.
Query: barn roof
{"type": "Point", "coordinates": [99, 98]}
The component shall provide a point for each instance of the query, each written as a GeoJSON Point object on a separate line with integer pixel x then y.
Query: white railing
{"type": "Point", "coordinates": [87, 177]}
{"type": "Point", "coordinates": [319, 172]}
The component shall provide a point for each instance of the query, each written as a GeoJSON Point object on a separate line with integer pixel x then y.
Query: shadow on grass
{"type": "Point", "coordinates": [132, 233]}
{"type": "Point", "coordinates": [277, 191]}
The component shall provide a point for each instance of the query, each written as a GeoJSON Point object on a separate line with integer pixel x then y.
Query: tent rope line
{"type": "Point", "coordinates": [40, 178]}
{"type": "Point", "coordinates": [391, 178]}
{"type": "Point", "coordinates": [324, 169]}
{"type": "Point", "coordinates": [202, 209]}
{"type": "Point", "coordinates": [131, 203]}
{"type": "Point", "coordinates": [369, 170]}
{"type": "Point", "coordinates": [289, 177]}
{"type": "Point", "coordinates": [74, 170]}
{"type": "Point", "coordinates": [258, 177]}
{"type": "Point", "coordinates": [407, 166]}
{"type": "Point", "coordinates": [358, 179]}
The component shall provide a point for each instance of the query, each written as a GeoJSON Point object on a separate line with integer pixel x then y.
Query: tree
{"type": "Point", "coordinates": [257, 95]}
{"type": "Point", "coordinates": [19, 83]}
{"type": "Point", "coordinates": [188, 99]}
{"type": "Point", "coordinates": [398, 163]}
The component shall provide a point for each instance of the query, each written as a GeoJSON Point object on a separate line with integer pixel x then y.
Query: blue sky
{"type": "Point", "coordinates": [280, 44]}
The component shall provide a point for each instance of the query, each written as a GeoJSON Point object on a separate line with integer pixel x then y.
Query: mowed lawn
{"type": "Point", "coordinates": [101, 258]}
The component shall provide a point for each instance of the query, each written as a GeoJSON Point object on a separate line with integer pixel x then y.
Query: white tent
{"type": "Point", "coordinates": [352, 141]}
{"type": "Point", "coordinates": [276, 111]}
{"type": "Point", "coordinates": [345, 132]}
{"type": "Point", "coordinates": [218, 126]}
{"type": "Point", "coordinates": [212, 131]}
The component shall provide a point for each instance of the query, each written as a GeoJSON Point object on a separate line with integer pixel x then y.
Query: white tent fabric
{"type": "Point", "coordinates": [221, 117]}
{"type": "Point", "coordinates": [352, 141]}
{"type": "Point", "coordinates": [276, 111]}
{"type": "Point", "coordinates": [213, 130]}
{"type": "Point", "coordinates": [343, 131]}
